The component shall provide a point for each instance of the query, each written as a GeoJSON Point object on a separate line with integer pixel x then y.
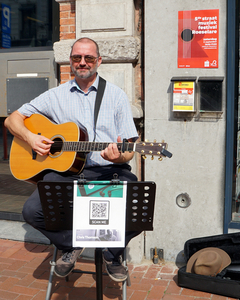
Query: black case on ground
{"type": "Point", "coordinates": [227, 283]}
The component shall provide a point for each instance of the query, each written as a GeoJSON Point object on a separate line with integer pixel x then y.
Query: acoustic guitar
{"type": "Point", "coordinates": [68, 152]}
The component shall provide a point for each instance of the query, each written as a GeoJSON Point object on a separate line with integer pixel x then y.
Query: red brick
{"type": "Point", "coordinates": [24, 297]}
{"type": "Point", "coordinates": [168, 269]}
{"type": "Point", "coordinates": [8, 243]}
{"type": "Point", "coordinates": [68, 21]}
{"type": "Point", "coordinates": [156, 292]}
{"type": "Point", "coordinates": [22, 255]}
{"type": "Point", "coordinates": [177, 297]}
{"type": "Point", "coordinates": [154, 282]}
{"type": "Point", "coordinates": [90, 295]}
{"type": "Point", "coordinates": [19, 245]}
{"type": "Point", "coordinates": [77, 293]}
{"type": "Point", "coordinates": [67, 36]}
{"type": "Point", "coordinates": [151, 273]}
{"type": "Point", "coordinates": [3, 278]}
{"type": "Point", "coordinates": [4, 266]}
{"type": "Point", "coordinates": [24, 290]}
{"type": "Point", "coordinates": [217, 297]}
{"type": "Point", "coordinates": [29, 246]}
{"type": "Point", "coordinates": [35, 263]}
{"type": "Point", "coordinates": [65, 77]}
{"type": "Point", "coordinates": [110, 291]}
{"type": "Point", "coordinates": [60, 293]}
{"type": "Point", "coordinates": [13, 274]}
{"type": "Point", "coordinates": [72, 28]}
{"type": "Point", "coordinates": [114, 284]}
{"type": "Point", "coordinates": [66, 7]}
{"type": "Point", "coordinates": [9, 252]}
{"type": "Point", "coordinates": [8, 295]}
{"type": "Point", "coordinates": [40, 249]}
{"type": "Point", "coordinates": [64, 29]}
{"type": "Point", "coordinates": [40, 296]}
{"type": "Point", "coordinates": [16, 265]}
{"type": "Point", "coordinates": [39, 284]}
{"type": "Point", "coordinates": [88, 278]}
{"type": "Point", "coordinates": [136, 276]}
{"type": "Point", "coordinates": [90, 266]}
{"type": "Point", "coordinates": [141, 268]}
{"type": "Point", "coordinates": [65, 69]}
{"type": "Point", "coordinates": [141, 286]}
{"type": "Point", "coordinates": [188, 292]}
{"type": "Point", "coordinates": [8, 283]}
{"type": "Point", "coordinates": [27, 280]}
{"type": "Point", "coordinates": [139, 295]}
{"type": "Point", "coordinates": [109, 297]}
{"type": "Point", "coordinates": [64, 14]}
{"type": "Point", "coordinates": [173, 288]}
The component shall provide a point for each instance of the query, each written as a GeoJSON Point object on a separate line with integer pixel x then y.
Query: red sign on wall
{"type": "Point", "coordinates": [198, 38]}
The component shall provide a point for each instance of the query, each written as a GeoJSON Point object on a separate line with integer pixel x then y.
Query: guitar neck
{"type": "Point", "coordinates": [94, 146]}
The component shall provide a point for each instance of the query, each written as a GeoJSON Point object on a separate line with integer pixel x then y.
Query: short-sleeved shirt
{"type": "Point", "coordinates": [68, 103]}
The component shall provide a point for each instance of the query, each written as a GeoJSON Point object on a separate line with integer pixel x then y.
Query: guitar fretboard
{"type": "Point", "coordinates": [93, 146]}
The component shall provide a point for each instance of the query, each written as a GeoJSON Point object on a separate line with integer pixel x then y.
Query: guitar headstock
{"type": "Point", "coordinates": [153, 149]}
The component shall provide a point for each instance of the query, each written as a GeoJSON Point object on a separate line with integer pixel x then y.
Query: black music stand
{"type": "Point", "coordinates": [57, 203]}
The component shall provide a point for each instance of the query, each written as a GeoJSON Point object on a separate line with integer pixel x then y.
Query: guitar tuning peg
{"type": "Point", "coordinates": [146, 140]}
{"type": "Point", "coordinates": [155, 141]}
{"type": "Point", "coordinates": [163, 141]}
{"type": "Point", "coordinates": [152, 158]}
{"type": "Point", "coordinates": [160, 158]}
{"type": "Point", "coordinates": [144, 156]}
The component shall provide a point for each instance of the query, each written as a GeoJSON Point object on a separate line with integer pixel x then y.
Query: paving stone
{"type": "Point", "coordinates": [24, 274]}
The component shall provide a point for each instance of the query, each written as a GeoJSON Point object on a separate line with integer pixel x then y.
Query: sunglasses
{"type": "Point", "coordinates": [87, 58]}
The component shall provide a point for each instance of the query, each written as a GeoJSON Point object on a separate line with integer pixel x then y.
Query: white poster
{"type": "Point", "coordinates": [99, 214]}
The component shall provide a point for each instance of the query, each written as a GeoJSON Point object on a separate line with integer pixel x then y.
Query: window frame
{"type": "Point", "coordinates": [231, 102]}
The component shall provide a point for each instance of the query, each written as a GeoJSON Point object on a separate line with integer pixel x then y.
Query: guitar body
{"type": "Point", "coordinates": [29, 166]}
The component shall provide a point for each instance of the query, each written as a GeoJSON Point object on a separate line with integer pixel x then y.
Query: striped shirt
{"type": "Point", "coordinates": [68, 103]}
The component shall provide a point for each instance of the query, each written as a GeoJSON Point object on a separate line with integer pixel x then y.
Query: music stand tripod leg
{"type": "Point", "coordinates": [128, 281]}
{"type": "Point", "coordinates": [98, 265]}
{"type": "Point", "coordinates": [52, 263]}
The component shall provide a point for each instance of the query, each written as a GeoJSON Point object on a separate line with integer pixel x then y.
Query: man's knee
{"type": "Point", "coordinates": [32, 208]}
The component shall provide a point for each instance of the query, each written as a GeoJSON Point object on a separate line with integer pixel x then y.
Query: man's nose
{"type": "Point", "coordinates": [82, 61]}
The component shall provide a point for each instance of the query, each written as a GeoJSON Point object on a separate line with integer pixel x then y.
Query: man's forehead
{"type": "Point", "coordinates": [85, 45]}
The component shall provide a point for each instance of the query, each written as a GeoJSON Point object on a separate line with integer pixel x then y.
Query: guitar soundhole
{"type": "Point", "coordinates": [56, 148]}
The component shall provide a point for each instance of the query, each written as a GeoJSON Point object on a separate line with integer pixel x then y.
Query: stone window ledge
{"type": "Point", "coordinates": [118, 50]}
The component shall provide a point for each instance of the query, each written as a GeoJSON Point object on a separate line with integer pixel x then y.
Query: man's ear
{"type": "Point", "coordinates": [99, 60]}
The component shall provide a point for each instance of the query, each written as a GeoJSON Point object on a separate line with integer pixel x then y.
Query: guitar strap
{"type": "Point", "coordinates": [99, 96]}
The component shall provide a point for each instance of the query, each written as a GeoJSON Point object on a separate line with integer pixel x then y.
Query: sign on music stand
{"type": "Point", "coordinates": [57, 204]}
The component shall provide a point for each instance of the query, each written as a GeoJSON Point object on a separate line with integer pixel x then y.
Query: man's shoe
{"type": "Point", "coordinates": [66, 263]}
{"type": "Point", "coordinates": [107, 257]}
{"type": "Point", "coordinates": [114, 267]}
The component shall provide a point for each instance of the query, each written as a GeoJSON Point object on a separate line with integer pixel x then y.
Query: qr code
{"type": "Point", "coordinates": [99, 210]}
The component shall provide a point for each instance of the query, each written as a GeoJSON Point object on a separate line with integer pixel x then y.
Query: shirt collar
{"type": "Point", "coordinates": [75, 86]}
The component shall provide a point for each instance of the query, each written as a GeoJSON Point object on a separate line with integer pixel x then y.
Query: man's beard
{"type": "Point", "coordinates": [84, 73]}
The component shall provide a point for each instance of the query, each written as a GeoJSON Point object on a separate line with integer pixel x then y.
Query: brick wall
{"type": "Point", "coordinates": [67, 21]}
{"type": "Point", "coordinates": [67, 31]}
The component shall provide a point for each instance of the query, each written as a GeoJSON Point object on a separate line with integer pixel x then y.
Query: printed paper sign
{"type": "Point", "coordinates": [198, 38]}
{"type": "Point", "coordinates": [99, 214]}
{"type": "Point", "coordinates": [183, 96]}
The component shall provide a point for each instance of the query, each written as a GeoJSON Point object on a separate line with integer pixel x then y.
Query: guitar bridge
{"type": "Point", "coordinates": [34, 154]}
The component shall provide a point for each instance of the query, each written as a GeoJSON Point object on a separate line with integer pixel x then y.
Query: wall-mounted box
{"type": "Point", "coordinates": [210, 94]}
{"type": "Point", "coordinates": [26, 89]}
{"type": "Point", "coordinates": [183, 94]}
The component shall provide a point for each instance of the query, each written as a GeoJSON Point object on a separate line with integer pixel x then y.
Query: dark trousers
{"type": "Point", "coordinates": [33, 213]}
